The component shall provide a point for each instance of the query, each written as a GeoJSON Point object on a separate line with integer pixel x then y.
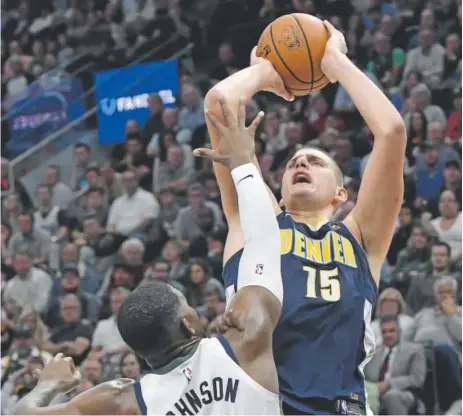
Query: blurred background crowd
{"type": "Point", "coordinates": [76, 243]}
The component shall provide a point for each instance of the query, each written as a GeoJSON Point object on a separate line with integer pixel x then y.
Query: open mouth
{"type": "Point", "coordinates": [301, 177]}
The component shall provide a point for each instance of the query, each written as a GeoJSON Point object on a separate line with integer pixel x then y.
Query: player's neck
{"type": "Point", "coordinates": [312, 218]}
{"type": "Point", "coordinates": [163, 363]}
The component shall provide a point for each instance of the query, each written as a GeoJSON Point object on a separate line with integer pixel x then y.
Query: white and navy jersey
{"type": "Point", "coordinates": [208, 382]}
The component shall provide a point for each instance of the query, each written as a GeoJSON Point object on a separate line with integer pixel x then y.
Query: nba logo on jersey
{"type": "Point", "coordinates": [259, 269]}
{"type": "Point", "coordinates": [188, 373]}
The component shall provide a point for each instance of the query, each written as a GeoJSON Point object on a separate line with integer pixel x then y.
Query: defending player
{"type": "Point", "coordinates": [330, 270]}
{"type": "Point", "coordinates": [232, 374]}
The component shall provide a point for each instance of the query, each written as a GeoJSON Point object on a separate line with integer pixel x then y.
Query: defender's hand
{"type": "Point", "coordinates": [272, 81]}
{"type": "Point", "coordinates": [236, 140]}
{"type": "Point", "coordinates": [336, 43]}
{"type": "Point", "coordinates": [60, 370]}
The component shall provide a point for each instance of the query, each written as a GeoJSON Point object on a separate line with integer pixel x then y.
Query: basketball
{"type": "Point", "coordinates": [295, 44]}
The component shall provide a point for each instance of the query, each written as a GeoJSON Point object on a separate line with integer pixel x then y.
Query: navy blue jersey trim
{"type": "Point", "coordinates": [227, 347]}
{"type": "Point", "coordinates": [359, 245]}
{"type": "Point", "coordinates": [140, 399]}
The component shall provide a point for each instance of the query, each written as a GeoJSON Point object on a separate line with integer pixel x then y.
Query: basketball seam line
{"type": "Point", "coordinates": [323, 78]}
{"type": "Point", "coordinates": [284, 63]}
{"type": "Point", "coordinates": [308, 50]}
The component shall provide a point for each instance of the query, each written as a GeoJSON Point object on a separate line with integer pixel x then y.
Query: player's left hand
{"type": "Point", "coordinates": [60, 370]}
{"type": "Point", "coordinates": [271, 78]}
{"type": "Point", "coordinates": [236, 140]}
{"type": "Point", "coordinates": [336, 43]}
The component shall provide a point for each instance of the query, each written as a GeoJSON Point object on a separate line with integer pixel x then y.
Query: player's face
{"type": "Point", "coordinates": [310, 182]}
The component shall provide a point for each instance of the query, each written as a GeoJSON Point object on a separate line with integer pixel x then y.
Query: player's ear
{"type": "Point", "coordinates": [188, 328]}
{"type": "Point", "coordinates": [341, 196]}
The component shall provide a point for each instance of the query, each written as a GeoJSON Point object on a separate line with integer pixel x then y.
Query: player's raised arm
{"type": "Point", "coordinates": [243, 84]}
{"type": "Point", "coordinates": [255, 309]}
{"type": "Point", "coordinates": [373, 219]}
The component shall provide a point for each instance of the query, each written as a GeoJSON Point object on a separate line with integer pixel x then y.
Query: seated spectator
{"type": "Point", "coordinates": [11, 209]}
{"type": "Point", "coordinates": [189, 224]}
{"type": "Point", "coordinates": [61, 193]}
{"type": "Point", "coordinates": [417, 134]}
{"type": "Point", "coordinates": [70, 282]}
{"type": "Point", "coordinates": [402, 234]}
{"type": "Point", "coordinates": [175, 172]}
{"type": "Point", "coordinates": [442, 322]}
{"type": "Point", "coordinates": [82, 160]}
{"type": "Point", "coordinates": [130, 366]}
{"type": "Point", "coordinates": [390, 303]}
{"type": "Point", "coordinates": [421, 292]}
{"type": "Point", "coordinates": [421, 98]}
{"type": "Point", "coordinates": [90, 279]}
{"type": "Point", "coordinates": [131, 253]}
{"type": "Point", "coordinates": [428, 59]}
{"type": "Point", "coordinates": [121, 275]}
{"type": "Point", "coordinates": [212, 307]}
{"type": "Point", "coordinates": [22, 349]}
{"type": "Point", "coordinates": [159, 270]}
{"type": "Point", "coordinates": [169, 210]}
{"type": "Point", "coordinates": [107, 343]}
{"type": "Point", "coordinates": [448, 224]}
{"type": "Point", "coordinates": [198, 281]}
{"type": "Point", "coordinates": [50, 218]}
{"type": "Point", "coordinates": [91, 370]}
{"type": "Point", "coordinates": [30, 286]}
{"type": "Point", "coordinates": [453, 134]}
{"type": "Point", "coordinates": [169, 124]}
{"type": "Point", "coordinates": [398, 368]}
{"type": "Point", "coordinates": [133, 212]}
{"type": "Point", "coordinates": [33, 320]}
{"type": "Point", "coordinates": [112, 182]}
{"type": "Point", "coordinates": [94, 204]}
{"type": "Point", "coordinates": [172, 254]}
{"type": "Point", "coordinates": [435, 135]}
{"type": "Point", "coordinates": [73, 336]}
{"type": "Point", "coordinates": [191, 115]}
{"type": "Point", "coordinates": [411, 259]}
{"type": "Point", "coordinates": [452, 182]}
{"type": "Point", "coordinates": [429, 175]}
{"type": "Point", "coordinates": [386, 62]}
{"type": "Point", "coordinates": [154, 122]}
{"type": "Point", "coordinates": [31, 239]}
{"type": "Point", "coordinates": [349, 164]}
{"type": "Point", "coordinates": [20, 383]}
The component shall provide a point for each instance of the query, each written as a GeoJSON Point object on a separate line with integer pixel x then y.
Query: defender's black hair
{"type": "Point", "coordinates": [148, 319]}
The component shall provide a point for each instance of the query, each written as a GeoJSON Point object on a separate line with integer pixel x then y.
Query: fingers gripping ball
{"type": "Point", "coordinates": [295, 44]}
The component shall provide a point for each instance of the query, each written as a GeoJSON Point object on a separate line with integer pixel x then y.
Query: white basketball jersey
{"type": "Point", "coordinates": [210, 382]}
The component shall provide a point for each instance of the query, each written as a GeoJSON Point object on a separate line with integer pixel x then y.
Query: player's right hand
{"type": "Point", "coordinates": [60, 370]}
{"type": "Point", "coordinates": [271, 78]}
{"type": "Point", "coordinates": [236, 140]}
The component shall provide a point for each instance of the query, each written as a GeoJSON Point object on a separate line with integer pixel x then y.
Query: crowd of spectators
{"type": "Point", "coordinates": [152, 211]}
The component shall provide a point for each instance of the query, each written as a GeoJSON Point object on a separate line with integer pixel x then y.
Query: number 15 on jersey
{"type": "Point", "coordinates": [326, 280]}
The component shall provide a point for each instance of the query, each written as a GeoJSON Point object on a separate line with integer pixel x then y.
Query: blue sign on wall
{"type": "Point", "coordinates": [122, 94]}
{"type": "Point", "coordinates": [41, 109]}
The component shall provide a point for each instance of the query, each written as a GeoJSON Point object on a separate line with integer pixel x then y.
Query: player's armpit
{"type": "Point", "coordinates": [380, 196]}
{"type": "Point", "coordinates": [251, 318]}
{"type": "Point", "coordinates": [112, 398]}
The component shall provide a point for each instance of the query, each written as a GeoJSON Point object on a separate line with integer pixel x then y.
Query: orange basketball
{"type": "Point", "coordinates": [295, 44]}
